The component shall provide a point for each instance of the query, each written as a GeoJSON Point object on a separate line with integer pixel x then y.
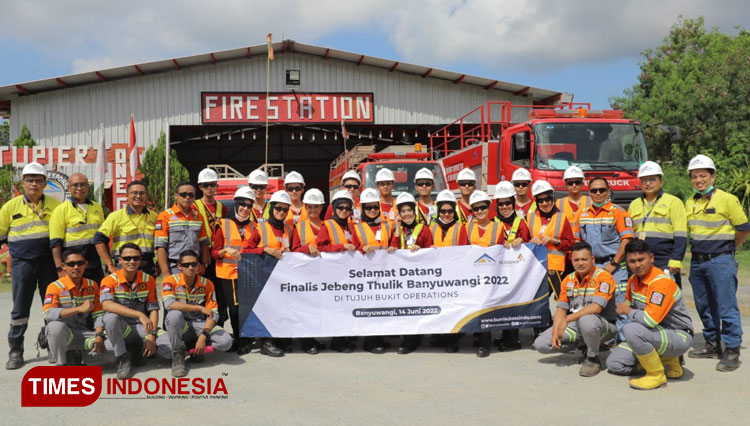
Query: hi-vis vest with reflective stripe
{"type": "Point", "coordinates": [489, 238]}
{"type": "Point", "coordinates": [73, 225]}
{"type": "Point", "coordinates": [337, 235]}
{"type": "Point", "coordinates": [212, 222]}
{"type": "Point", "coordinates": [130, 228]}
{"type": "Point", "coordinates": [269, 239]}
{"type": "Point", "coordinates": [367, 236]}
{"type": "Point", "coordinates": [414, 234]}
{"type": "Point", "coordinates": [564, 206]}
{"type": "Point", "coordinates": [226, 267]}
{"type": "Point", "coordinates": [26, 230]}
{"type": "Point", "coordinates": [713, 222]}
{"type": "Point", "coordinates": [306, 233]}
{"type": "Point", "coordinates": [510, 234]}
{"type": "Point", "coordinates": [447, 239]}
{"type": "Point", "coordinates": [659, 222]}
{"type": "Point", "coordinates": [553, 229]}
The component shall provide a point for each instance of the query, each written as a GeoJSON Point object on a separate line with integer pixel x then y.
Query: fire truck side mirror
{"type": "Point", "coordinates": [520, 141]}
{"type": "Point", "coordinates": [673, 132]}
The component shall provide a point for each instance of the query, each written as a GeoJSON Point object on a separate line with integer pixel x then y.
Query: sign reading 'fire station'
{"type": "Point", "coordinates": [252, 107]}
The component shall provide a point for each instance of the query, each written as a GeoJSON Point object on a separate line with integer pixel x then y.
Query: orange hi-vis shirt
{"type": "Point", "coordinates": [63, 294]}
{"type": "Point", "coordinates": [175, 288]}
{"type": "Point", "coordinates": [364, 235]}
{"type": "Point", "coordinates": [140, 295]}
{"type": "Point", "coordinates": [490, 237]}
{"type": "Point", "coordinates": [454, 236]}
{"type": "Point", "coordinates": [573, 212]}
{"type": "Point", "coordinates": [177, 232]}
{"type": "Point", "coordinates": [596, 287]}
{"type": "Point", "coordinates": [657, 302]}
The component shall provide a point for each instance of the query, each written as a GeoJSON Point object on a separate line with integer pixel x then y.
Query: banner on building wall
{"type": "Point", "coordinates": [437, 290]}
{"type": "Point", "coordinates": [252, 107]}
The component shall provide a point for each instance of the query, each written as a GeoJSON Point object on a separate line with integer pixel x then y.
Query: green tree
{"type": "Point", "coordinates": [24, 138]}
{"type": "Point", "coordinates": [699, 80]}
{"type": "Point", "coordinates": [153, 169]}
{"type": "Point", "coordinates": [5, 133]}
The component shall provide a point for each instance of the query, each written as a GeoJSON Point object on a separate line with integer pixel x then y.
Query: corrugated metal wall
{"type": "Point", "coordinates": [73, 116]}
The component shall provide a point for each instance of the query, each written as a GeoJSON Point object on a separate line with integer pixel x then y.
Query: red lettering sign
{"type": "Point", "coordinates": [252, 107]}
{"type": "Point", "coordinates": [48, 386]}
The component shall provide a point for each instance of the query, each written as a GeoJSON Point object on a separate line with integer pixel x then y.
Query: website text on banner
{"type": "Point", "coordinates": [438, 290]}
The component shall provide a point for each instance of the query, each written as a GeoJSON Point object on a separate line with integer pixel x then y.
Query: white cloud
{"type": "Point", "coordinates": [522, 35]}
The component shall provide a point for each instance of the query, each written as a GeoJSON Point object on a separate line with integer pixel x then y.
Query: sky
{"type": "Point", "coordinates": [588, 48]}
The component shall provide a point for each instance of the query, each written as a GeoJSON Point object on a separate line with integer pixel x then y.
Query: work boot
{"type": "Point", "coordinates": [245, 346]}
{"type": "Point", "coordinates": [509, 341]}
{"type": "Point", "coordinates": [15, 356]}
{"type": "Point", "coordinates": [341, 345]}
{"type": "Point", "coordinates": [483, 345]}
{"type": "Point", "coordinates": [270, 349]}
{"type": "Point", "coordinates": [451, 343]}
{"type": "Point", "coordinates": [673, 367]}
{"type": "Point", "coordinates": [374, 344]}
{"type": "Point", "coordinates": [730, 361]}
{"type": "Point", "coordinates": [590, 367]}
{"type": "Point", "coordinates": [136, 354]}
{"type": "Point", "coordinates": [74, 358]}
{"type": "Point", "coordinates": [654, 377]}
{"type": "Point", "coordinates": [310, 346]}
{"type": "Point", "coordinates": [178, 364]}
{"type": "Point", "coordinates": [123, 366]}
{"type": "Point", "coordinates": [51, 357]}
{"type": "Point", "coordinates": [408, 345]}
{"type": "Point", "coordinates": [710, 350]}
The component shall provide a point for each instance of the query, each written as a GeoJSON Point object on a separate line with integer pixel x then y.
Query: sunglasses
{"type": "Point", "coordinates": [344, 208]}
{"type": "Point", "coordinates": [209, 185]}
{"type": "Point", "coordinates": [293, 188]}
{"type": "Point", "coordinates": [281, 209]}
{"type": "Point", "coordinates": [35, 181]}
{"type": "Point", "coordinates": [130, 258]}
{"type": "Point", "coordinates": [351, 186]}
{"type": "Point", "coordinates": [189, 264]}
{"type": "Point", "coordinates": [445, 211]}
{"type": "Point", "coordinates": [187, 194]}
{"type": "Point", "coordinates": [504, 203]}
{"type": "Point", "coordinates": [598, 190]}
{"type": "Point", "coordinates": [79, 185]}
{"type": "Point", "coordinates": [467, 183]}
{"type": "Point", "coordinates": [76, 263]}
{"type": "Point", "coordinates": [423, 184]}
{"type": "Point", "coordinates": [520, 184]}
{"type": "Point", "coordinates": [574, 182]}
{"type": "Point", "coordinates": [258, 187]}
{"type": "Point", "coordinates": [544, 200]}
{"type": "Point", "coordinates": [371, 208]}
{"type": "Point", "coordinates": [650, 179]}
{"type": "Point", "coordinates": [480, 208]}
{"type": "Point", "coordinates": [246, 205]}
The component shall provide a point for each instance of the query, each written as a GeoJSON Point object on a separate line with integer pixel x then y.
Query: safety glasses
{"type": "Point", "coordinates": [258, 187]}
{"type": "Point", "coordinates": [127, 259]}
{"type": "Point", "coordinates": [467, 183]}
{"type": "Point", "coordinates": [481, 208]}
{"type": "Point", "coordinates": [504, 203]}
{"type": "Point", "coordinates": [293, 188]}
{"type": "Point", "coordinates": [76, 263]}
{"type": "Point", "coordinates": [189, 264]}
{"type": "Point", "coordinates": [187, 194]}
{"type": "Point", "coordinates": [520, 184]}
{"type": "Point", "coordinates": [598, 190]}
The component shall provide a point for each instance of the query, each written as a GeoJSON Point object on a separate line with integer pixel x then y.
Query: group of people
{"type": "Point", "coordinates": [593, 246]}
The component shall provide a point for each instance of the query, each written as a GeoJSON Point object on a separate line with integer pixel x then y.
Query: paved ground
{"type": "Point", "coordinates": [426, 387]}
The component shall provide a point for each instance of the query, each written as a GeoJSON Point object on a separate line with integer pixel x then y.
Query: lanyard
{"type": "Point", "coordinates": [653, 206]}
{"type": "Point", "coordinates": [40, 206]}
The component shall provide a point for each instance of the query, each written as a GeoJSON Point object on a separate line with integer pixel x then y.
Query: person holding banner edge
{"type": "Point", "coordinates": [228, 241]}
{"type": "Point", "coordinates": [274, 238]}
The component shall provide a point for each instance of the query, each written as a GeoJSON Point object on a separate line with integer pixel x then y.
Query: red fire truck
{"type": "Point", "coordinates": [497, 138]}
{"type": "Point", "coordinates": [403, 160]}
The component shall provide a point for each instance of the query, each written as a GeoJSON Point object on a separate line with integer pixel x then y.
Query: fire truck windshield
{"type": "Point", "coordinates": [589, 145]}
{"type": "Point", "coordinates": [404, 174]}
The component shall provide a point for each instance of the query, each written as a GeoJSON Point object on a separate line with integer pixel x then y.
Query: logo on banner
{"type": "Point", "coordinates": [485, 259]}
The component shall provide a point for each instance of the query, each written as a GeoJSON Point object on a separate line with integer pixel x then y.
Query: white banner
{"type": "Point", "coordinates": [438, 290]}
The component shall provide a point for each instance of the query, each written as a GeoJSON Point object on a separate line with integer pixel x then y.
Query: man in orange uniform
{"type": "Point", "coordinates": [180, 228]}
{"type": "Point", "coordinates": [584, 310]}
{"type": "Point", "coordinates": [660, 329]}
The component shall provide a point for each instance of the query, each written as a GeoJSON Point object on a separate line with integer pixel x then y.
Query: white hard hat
{"type": "Point", "coordinates": [351, 174]}
{"type": "Point", "coordinates": [244, 192]}
{"type": "Point", "coordinates": [573, 172]}
{"type": "Point", "coordinates": [446, 196]}
{"type": "Point", "coordinates": [478, 197]}
{"type": "Point", "coordinates": [207, 175]}
{"type": "Point", "coordinates": [294, 177]}
{"type": "Point", "coordinates": [424, 173]}
{"type": "Point", "coordinates": [342, 195]}
{"type": "Point", "coordinates": [466, 174]}
{"type": "Point", "coordinates": [649, 168]}
{"type": "Point", "coordinates": [369, 195]}
{"type": "Point", "coordinates": [700, 161]}
{"type": "Point", "coordinates": [540, 187]}
{"type": "Point", "coordinates": [384, 175]}
{"type": "Point", "coordinates": [34, 168]}
{"type": "Point", "coordinates": [405, 198]}
{"type": "Point", "coordinates": [313, 196]}
{"type": "Point", "coordinates": [280, 197]}
{"type": "Point", "coordinates": [504, 189]}
{"type": "Point", "coordinates": [520, 174]}
{"type": "Point", "coordinates": [258, 177]}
